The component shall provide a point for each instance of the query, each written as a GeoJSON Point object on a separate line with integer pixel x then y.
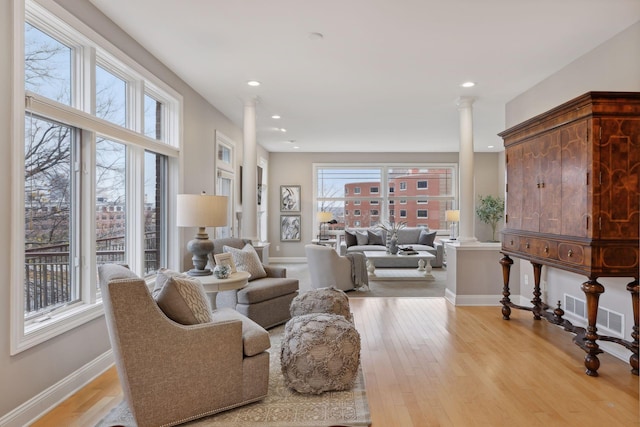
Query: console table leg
{"type": "Point", "coordinates": [506, 263]}
{"type": "Point", "coordinates": [592, 290]}
{"type": "Point", "coordinates": [635, 333]}
{"type": "Point", "coordinates": [536, 301]}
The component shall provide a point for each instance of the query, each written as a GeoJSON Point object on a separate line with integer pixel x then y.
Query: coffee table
{"type": "Point", "coordinates": [424, 265]}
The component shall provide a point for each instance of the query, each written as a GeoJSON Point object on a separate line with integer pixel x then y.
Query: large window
{"type": "Point", "coordinates": [96, 173]}
{"type": "Point", "coordinates": [337, 187]}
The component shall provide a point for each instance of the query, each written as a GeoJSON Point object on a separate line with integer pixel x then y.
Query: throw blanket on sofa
{"type": "Point", "coordinates": [358, 269]}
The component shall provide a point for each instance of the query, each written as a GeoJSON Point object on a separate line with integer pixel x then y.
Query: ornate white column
{"type": "Point", "coordinates": [465, 165]}
{"type": "Point", "coordinates": [249, 173]}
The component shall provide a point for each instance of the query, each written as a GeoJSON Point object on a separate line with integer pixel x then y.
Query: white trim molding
{"type": "Point", "coordinates": [39, 405]}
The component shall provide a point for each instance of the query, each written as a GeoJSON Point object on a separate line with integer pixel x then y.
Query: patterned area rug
{"type": "Point", "coordinates": [282, 407]}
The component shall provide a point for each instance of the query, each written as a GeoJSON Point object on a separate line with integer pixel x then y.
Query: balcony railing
{"type": "Point", "coordinates": [48, 276]}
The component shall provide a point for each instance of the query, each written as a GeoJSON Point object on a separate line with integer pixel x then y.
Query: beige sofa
{"type": "Point", "coordinates": [264, 300]}
{"type": "Point", "coordinates": [172, 373]}
{"type": "Point", "coordinates": [419, 238]}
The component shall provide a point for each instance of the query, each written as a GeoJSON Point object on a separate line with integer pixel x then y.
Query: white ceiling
{"type": "Point", "coordinates": [386, 75]}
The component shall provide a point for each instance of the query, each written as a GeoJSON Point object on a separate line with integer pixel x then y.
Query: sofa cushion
{"type": "Point", "coordinates": [255, 339]}
{"type": "Point", "coordinates": [362, 238]}
{"type": "Point", "coordinates": [350, 238]}
{"type": "Point", "coordinates": [183, 300]}
{"type": "Point", "coordinates": [358, 248]}
{"type": "Point", "coordinates": [375, 237]}
{"type": "Point", "coordinates": [426, 237]}
{"type": "Point", "coordinates": [247, 259]}
{"type": "Point", "coordinates": [266, 289]}
{"type": "Point", "coordinates": [409, 235]}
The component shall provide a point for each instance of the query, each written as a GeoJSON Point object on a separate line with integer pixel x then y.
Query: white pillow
{"type": "Point", "coordinates": [247, 259]}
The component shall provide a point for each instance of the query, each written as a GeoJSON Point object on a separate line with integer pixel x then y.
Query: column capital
{"type": "Point", "coordinates": [465, 102]}
{"type": "Point", "coordinates": [251, 101]}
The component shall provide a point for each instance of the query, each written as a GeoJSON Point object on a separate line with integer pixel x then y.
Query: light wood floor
{"type": "Point", "coordinates": [427, 363]}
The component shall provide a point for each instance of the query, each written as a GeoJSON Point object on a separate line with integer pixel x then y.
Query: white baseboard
{"type": "Point", "coordinates": [42, 403]}
{"type": "Point", "coordinates": [472, 300]}
{"type": "Point", "coordinates": [287, 260]}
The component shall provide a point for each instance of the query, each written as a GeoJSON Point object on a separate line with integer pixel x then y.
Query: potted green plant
{"type": "Point", "coordinates": [490, 210]}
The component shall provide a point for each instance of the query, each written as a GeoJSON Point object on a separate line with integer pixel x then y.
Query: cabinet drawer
{"type": "Point", "coordinates": [510, 242]}
{"type": "Point", "coordinates": [571, 253]}
{"type": "Point", "coordinates": [544, 249]}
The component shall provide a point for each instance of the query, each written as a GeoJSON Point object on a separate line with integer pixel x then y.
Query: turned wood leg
{"type": "Point", "coordinates": [506, 263]}
{"type": "Point", "coordinates": [635, 333]}
{"type": "Point", "coordinates": [592, 290]}
{"type": "Point", "coordinates": [536, 301]}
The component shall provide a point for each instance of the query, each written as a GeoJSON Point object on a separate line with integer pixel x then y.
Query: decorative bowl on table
{"type": "Point", "coordinates": [222, 271]}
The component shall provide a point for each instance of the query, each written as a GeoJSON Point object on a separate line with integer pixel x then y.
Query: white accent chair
{"type": "Point", "coordinates": [327, 268]}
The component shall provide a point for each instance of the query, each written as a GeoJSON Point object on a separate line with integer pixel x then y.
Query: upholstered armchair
{"type": "Point", "coordinates": [327, 268]}
{"type": "Point", "coordinates": [170, 372]}
{"type": "Point", "coordinates": [267, 296]}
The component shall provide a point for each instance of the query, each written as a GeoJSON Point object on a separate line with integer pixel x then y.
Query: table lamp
{"type": "Point", "coordinates": [452, 216]}
{"type": "Point", "coordinates": [323, 217]}
{"type": "Point", "coordinates": [201, 210]}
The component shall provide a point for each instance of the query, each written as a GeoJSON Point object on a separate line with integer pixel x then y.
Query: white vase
{"type": "Point", "coordinates": [393, 244]}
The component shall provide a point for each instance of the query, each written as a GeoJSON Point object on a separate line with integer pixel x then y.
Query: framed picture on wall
{"type": "Point", "coordinates": [290, 228]}
{"type": "Point", "coordinates": [289, 198]}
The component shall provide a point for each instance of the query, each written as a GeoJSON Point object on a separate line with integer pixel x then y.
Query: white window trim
{"type": "Point", "coordinates": [224, 141]}
{"type": "Point", "coordinates": [23, 334]}
{"type": "Point", "coordinates": [386, 199]}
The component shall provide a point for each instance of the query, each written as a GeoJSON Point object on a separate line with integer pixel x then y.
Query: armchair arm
{"type": "Point", "coordinates": [439, 254]}
{"type": "Point", "coordinates": [273, 271]}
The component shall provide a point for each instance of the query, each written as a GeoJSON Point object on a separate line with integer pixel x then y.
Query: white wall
{"type": "Point", "coordinates": [38, 369]}
{"type": "Point", "coordinates": [612, 66]}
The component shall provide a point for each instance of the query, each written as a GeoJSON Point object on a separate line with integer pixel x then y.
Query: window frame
{"type": "Point", "coordinates": [88, 49]}
{"type": "Point", "coordinates": [389, 200]}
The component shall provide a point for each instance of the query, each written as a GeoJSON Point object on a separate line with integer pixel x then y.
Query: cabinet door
{"type": "Point", "coordinates": [577, 179]}
{"type": "Point", "coordinates": [619, 167]}
{"type": "Point", "coordinates": [530, 186]}
{"type": "Point", "coordinates": [514, 198]}
{"type": "Point", "coordinates": [550, 182]}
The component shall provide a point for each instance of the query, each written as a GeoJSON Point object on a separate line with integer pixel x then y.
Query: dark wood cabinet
{"type": "Point", "coordinates": [573, 202]}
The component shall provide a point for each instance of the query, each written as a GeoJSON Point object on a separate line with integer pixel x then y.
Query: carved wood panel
{"type": "Point", "coordinates": [619, 164]}
{"type": "Point", "coordinates": [514, 190]}
{"type": "Point", "coordinates": [577, 180]}
{"type": "Point", "coordinates": [549, 182]}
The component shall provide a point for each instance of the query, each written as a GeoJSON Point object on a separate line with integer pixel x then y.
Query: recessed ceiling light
{"type": "Point", "coordinates": [275, 116]}
{"type": "Point", "coordinates": [291, 141]}
{"type": "Point", "coordinates": [283, 130]}
{"type": "Point", "coordinates": [468, 84]}
{"type": "Point", "coordinates": [490, 146]}
{"type": "Point", "coordinates": [295, 147]}
{"type": "Point", "coordinates": [253, 83]}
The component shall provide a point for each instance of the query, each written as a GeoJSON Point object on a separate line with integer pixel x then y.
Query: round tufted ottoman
{"type": "Point", "coordinates": [321, 300]}
{"type": "Point", "coordinates": [320, 352]}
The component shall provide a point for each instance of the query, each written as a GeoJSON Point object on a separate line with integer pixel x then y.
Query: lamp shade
{"type": "Point", "coordinates": [324, 216]}
{"type": "Point", "coordinates": [452, 215]}
{"type": "Point", "coordinates": [201, 210]}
